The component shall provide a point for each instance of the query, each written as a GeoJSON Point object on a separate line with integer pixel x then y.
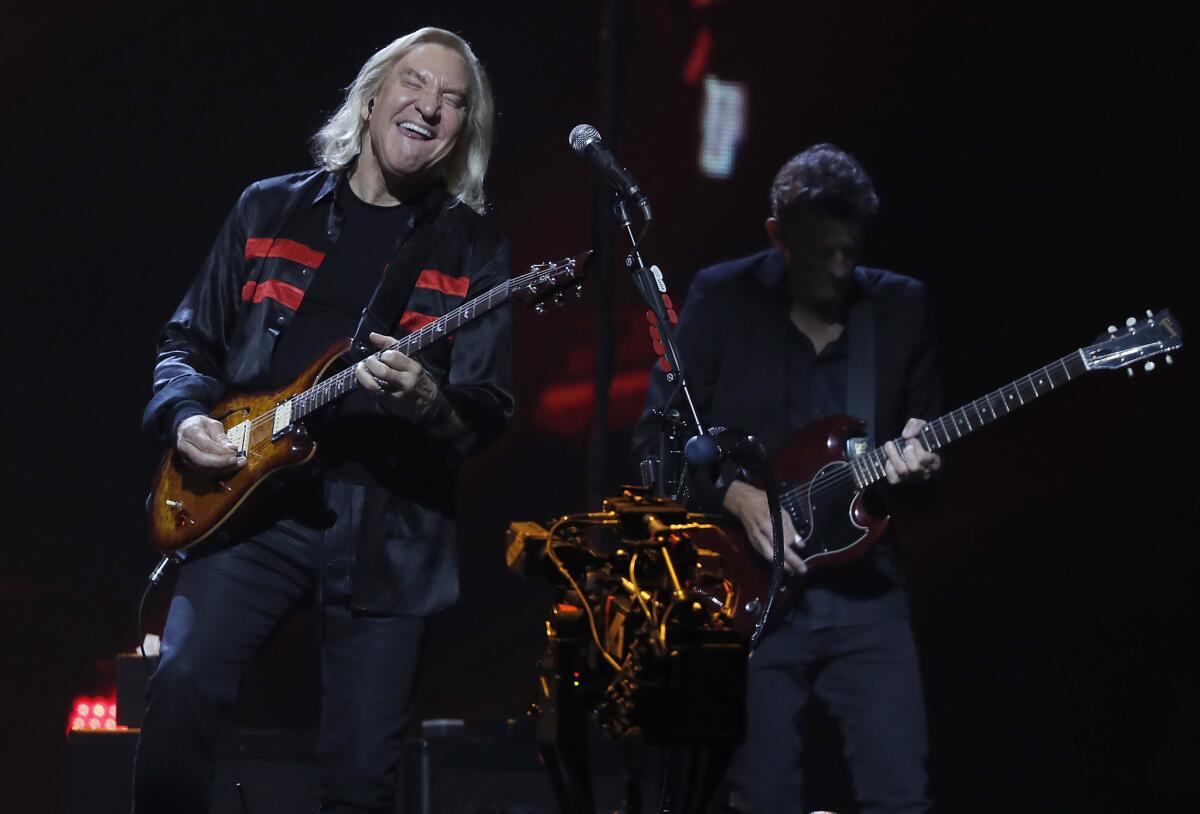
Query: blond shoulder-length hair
{"type": "Point", "coordinates": [339, 141]}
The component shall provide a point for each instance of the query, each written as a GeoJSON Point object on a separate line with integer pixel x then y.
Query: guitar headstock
{"type": "Point", "coordinates": [548, 282]}
{"type": "Point", "coordinates": [1155, 335]}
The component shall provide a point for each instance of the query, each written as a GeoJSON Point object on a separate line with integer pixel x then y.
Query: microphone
{"type": "Point", "coordinates": [705, 454]}
{"type": "Point", "coordinates": [723, 444]}
{"type": "Point", "coordinates": [586, 141]}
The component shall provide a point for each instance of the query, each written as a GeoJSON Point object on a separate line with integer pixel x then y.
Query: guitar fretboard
{"type": "Point", "coordinates": [343, 382]}
{"type": "Point", "coordinates": [868, 468]}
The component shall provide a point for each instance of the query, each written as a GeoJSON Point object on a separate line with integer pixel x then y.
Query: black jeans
{"type": "Point", "coordinates": [869, 678]}
{"type": "Point", "coordinates": [227, 604]}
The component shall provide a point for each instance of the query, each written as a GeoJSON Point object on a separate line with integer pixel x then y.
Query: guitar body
{"type": "Point", "coordinates": [828, 512]}
{"type": "Point", "coordinates": [186, 506]}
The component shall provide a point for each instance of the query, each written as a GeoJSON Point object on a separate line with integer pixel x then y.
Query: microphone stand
{"type": "Point", "coordinates": [652, 287]}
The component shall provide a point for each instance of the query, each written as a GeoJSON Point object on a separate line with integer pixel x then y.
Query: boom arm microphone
{"type": "Point", "coordinates": [586, 141]}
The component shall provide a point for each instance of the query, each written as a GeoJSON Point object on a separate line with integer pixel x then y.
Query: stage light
{"type": "Point", "coordinates": [93, 713]}
{"type": "Point", "coordinates": [722, 125]}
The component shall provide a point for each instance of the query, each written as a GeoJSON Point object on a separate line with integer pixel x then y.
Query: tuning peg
{"type": "Point", "coordinates": [1129, 323]}
{"type": "Point", "coordinates": [1168, 359]}
{"type": "Point", "coordinates": [1149, 313]}
{"type": "Point", "coordinates": [1129, 371]}
{"type": "Point", "coordinates": [1149, 366]}
{"type": "Point", "coordinates": [558, 298]}
{"type": "Point", "coordinates": [1112, 329]}
{"type": "Point", "coordinates": [539, 307]}
{"type": "Point", "coordinates": [579, 291]}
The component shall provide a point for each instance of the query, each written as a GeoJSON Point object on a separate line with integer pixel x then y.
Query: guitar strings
{"type": "Point", "coordinates": [835, 483]}
{"type": "Point", "coordinates": [404, 345]}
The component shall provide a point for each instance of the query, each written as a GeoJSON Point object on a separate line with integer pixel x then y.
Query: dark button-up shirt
{"type": "Point", "coordinates": [751, 369]}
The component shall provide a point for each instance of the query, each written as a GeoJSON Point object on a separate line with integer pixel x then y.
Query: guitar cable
{"type": "Point", "coordinates": [153, 581]}
{"type": "Point", "coordinates": [777, 569]}
{"type": "Point", "coordinates": [164, 564]}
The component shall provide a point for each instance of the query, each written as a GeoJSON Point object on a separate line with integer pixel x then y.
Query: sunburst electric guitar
{"type": "Point", "coordinates": [268, 429]}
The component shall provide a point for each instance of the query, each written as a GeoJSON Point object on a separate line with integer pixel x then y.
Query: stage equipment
{"type": "Point", "coordinates": [652, 286]}
{"type": "Point", "coordinates": [643, 640]}
{"type": "Point", "coordinates": [586, 141]}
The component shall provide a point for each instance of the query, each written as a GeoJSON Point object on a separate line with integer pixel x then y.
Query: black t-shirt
{"type": "Point", "coordinates": [343, 286]}
{"type": "Point", "coordinates": [370, 237]}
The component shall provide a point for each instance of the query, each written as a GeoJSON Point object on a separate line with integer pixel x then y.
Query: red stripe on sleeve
{"type": "Point", "coordinates": [435, 280]}
{"type": "Point", "coordinates": [276, 290]}
{"type": "Point", "coordinates": [413, 321]}
{"type": "Point", "coordinates": [287, 249]}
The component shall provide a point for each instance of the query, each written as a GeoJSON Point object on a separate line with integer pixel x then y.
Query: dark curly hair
{"type": "Point", "coordinates": [826, 180]}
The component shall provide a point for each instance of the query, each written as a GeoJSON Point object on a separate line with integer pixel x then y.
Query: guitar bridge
{"type": "Point", "coordinates": [239, 435]}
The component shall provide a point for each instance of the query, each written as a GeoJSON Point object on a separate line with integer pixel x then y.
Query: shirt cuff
{"type": "Point", "coordinates": [180, 413]}
{"type": "Point", "coordinates": [729, 473]}
{"type": "Point", "coordinates": [437, 414]}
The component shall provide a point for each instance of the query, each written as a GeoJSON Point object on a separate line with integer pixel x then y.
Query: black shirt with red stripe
{"type": "Point", "coordinates": [343, 285]}
{"type": "Point", "coordinates": [258, 310]}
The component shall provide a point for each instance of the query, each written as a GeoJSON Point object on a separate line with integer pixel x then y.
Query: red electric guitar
{"type": "Point", "coordinates": [823, 474]}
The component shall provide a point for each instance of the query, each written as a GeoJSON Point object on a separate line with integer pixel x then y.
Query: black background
{"type": "Point", "coordinates": [1036, 172]}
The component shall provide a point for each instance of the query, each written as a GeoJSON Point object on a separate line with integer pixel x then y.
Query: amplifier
{"type": "Point", "coordinates": [275, 768]}
{"type": "Point", "coordinates": [454, 774]}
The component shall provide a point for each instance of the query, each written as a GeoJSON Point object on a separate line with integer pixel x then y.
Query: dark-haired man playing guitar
{"type": "Point", "coordinates": [768, 343]}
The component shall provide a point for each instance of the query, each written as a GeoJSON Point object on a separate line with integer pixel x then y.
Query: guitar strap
{"type": "Point", "coordinates": [860, 377]}
{"type": "Point", "coordinates": [400, 277]}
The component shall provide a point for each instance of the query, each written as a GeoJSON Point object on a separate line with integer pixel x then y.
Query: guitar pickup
{"type": "Point", "coordinates": [283, 418]}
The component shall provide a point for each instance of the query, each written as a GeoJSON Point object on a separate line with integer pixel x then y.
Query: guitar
{"type": "Point", "coordinates": [186, 506]}
{"type": "Point", "coordinates": [825, 469]}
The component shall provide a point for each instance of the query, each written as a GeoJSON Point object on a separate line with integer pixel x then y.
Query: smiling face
{"type": "Point", "coordinates": [416, 116]}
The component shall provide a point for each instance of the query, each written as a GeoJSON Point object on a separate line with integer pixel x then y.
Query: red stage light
{"type": "Point", "coordinates": [91, 713]}
{"type": "Point", "coordinates": [697, 61]}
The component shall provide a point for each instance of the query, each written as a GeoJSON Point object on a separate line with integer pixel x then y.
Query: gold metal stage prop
{"type": "Point", "coordinates": [642, 640]}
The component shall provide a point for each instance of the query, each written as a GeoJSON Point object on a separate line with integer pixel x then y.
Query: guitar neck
{"type": "Point", "coordinates": [329, 390]}
{"type": "Point", "coordinates": [869, 467]}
